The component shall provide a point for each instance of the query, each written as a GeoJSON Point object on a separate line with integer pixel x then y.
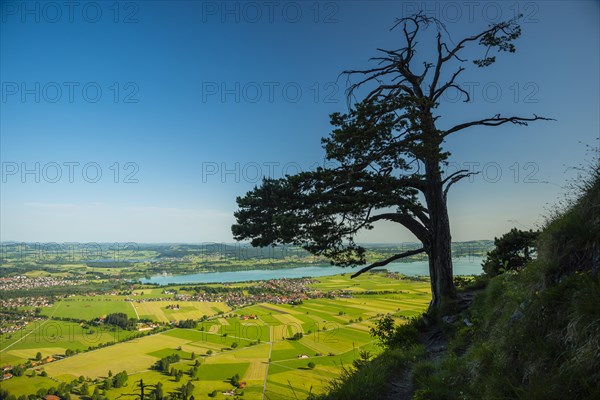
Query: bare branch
{"type": "Point", "coordinates": [457, 178]}
{"type": "Point", "coordinates": [460, 171]}
{"type": "Point", "coordinates": [439, 92]}
{"type": "Point", "coordinates": [496, 121]}
{"type": "Point", "coordinates": [501, 27]}
{"type": "Point", "coordinates": [389, 260]}
{"type": "Point", "coordinates": [397, 61]}
{"type": "Point", "coordinates": [438, 66]}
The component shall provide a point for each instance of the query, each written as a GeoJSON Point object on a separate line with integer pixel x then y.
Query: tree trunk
{"type": "Point", "coordinates": [439, 251]}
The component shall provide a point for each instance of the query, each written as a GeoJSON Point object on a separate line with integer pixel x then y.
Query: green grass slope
{"type": "Point", "coordinates": [528, 335]}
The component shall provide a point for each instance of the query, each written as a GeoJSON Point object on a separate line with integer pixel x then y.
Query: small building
{"type": "Point", "coordinates": [51, 397]}
{"type": "Point", "coordinates": [303, 356]}
{"type": "Point", "coordinates": [6, 376]}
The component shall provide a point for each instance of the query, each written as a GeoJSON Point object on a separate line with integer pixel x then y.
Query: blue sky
{"type": "Point", "coordinates": [182, 106]}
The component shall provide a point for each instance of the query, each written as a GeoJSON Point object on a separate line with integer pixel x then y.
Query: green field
{"type": "Point", "coordinates": [88, 307]}
{"type": "Point", "coordinates": [334, 331]}
{"type": "Point", "coordinates": [158, 311]}
{"type": "Point", "coordinates": [51, 337]}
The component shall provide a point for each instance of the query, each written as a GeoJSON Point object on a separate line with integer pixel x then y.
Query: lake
{"type": "Point", "coordinates": [462, 266]}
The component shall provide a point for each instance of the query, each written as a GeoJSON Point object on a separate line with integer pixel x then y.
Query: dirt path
{"type": "Point", "coordinates": [400, 386]}
{"type": "Point", "coordinates": [135, 309]}
{"type": "Point", "coordinates": [435, 342]}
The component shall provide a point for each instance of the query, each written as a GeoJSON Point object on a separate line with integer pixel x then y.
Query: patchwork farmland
{"type": "Point", "coordinates": [268, 346]}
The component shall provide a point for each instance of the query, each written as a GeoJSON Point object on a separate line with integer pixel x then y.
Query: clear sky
{"type": "Point", "coordinates": [142, 121]}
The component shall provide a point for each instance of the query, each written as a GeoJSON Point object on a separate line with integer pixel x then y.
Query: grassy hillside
{"type": "Point", "coordinates": [528, 335]}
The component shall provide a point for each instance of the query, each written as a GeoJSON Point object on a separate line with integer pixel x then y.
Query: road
{"type": "Point", "coordinates": [268, 360]}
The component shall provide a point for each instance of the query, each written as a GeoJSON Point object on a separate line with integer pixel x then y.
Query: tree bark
{"type": "Point", "coordinates": [439, 251]}
{"type": "Point", "coordinates": [440, 245]}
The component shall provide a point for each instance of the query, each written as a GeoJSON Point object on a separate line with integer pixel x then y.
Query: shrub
{"type": "Point", "coordinates": [513, 251]}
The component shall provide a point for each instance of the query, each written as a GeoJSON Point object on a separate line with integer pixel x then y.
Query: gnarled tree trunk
{"type": "Point", "coordinates": [439, 248]}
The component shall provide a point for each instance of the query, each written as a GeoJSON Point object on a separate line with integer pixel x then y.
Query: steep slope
{"type": "Point", "coordinates": [528, 335]}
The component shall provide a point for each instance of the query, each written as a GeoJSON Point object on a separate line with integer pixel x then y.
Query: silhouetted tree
{"type": "Point", "coordinates": [386, 158]}
{"type": "Point", "coordinates": [513, 250]}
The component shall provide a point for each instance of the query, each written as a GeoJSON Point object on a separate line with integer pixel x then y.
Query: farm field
{"type": "Point", "coordinates": [89, 307]}
{"type": "Point", "coordinates": [258, 349]}
{"type": "Point", "coordinates": [159, 311]}
{"type": "Point", "coordinates": [52, 337]}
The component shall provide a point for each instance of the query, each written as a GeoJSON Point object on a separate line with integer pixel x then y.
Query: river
{"type": "Point", "coordinates": [462, 266]}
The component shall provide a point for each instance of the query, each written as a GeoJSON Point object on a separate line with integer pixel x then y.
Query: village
{"type": "Point", "coordinates": [23, 282]}
{"type": "Point", "coordinates": [275, 291]}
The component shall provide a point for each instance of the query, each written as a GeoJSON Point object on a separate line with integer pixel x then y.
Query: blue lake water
{"type": "Point", "coordinates": [462, 266]}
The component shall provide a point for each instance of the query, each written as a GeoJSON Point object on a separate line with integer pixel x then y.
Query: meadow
{"type": "Point", "coordinates": [259, 350]}
{"type": "Point", "coordinates": [89, 307]}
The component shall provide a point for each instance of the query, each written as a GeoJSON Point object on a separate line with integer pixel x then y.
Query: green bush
{"type": "Point", "coordinates": [370, 380]}
{"type": "Point", "coordinates": [391, 335]}
{"type": "Point", "coordinates": [513, 251]}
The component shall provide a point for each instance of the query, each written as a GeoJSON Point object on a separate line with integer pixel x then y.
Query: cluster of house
{"type": "Point", "coordinates": [7, 369]}
{"type": "Point", "coordinates": [143, 300]}
{"type": "Point", "coordinates": [173, 307]}
{"type": "Point", "coordinates": [11, 323]}
{"type": "Point", "coordinates": [275, 291]}
{"type": "Point", "coordinates": [47, 360]}
{"type": "Point", "coordinates": [6, 372]}
{"type": "Point", "coordinates": [25, 302]}
{"type": "Point", "coordinates": [288, 284]}
{"type": "Point", "coordinates": [20, 282]}
{"type": "Point", "coordinates": [244, 317]}
{"type": "Point", "coordinates": [142, 327]}
{"type": "Point", "coordinates": [241, 385]}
